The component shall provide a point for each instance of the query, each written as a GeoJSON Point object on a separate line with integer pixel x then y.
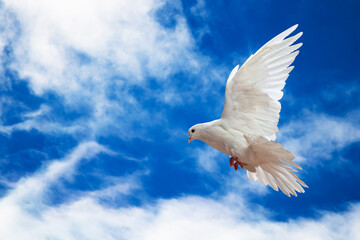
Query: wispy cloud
{"type": "Point", "coordinates": [208, 159]}
{"type": "Point", "coordinates": [316, 136]}
{"type": "Point", "coordinates": [31, 189]}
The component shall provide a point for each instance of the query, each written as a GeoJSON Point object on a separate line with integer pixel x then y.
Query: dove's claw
{"type": "Point", "coordinates": [236, 165]}
{"type": "Point", "coordinates": [234, 162]}
{"type": "Point", "coordinates": [231, 162]}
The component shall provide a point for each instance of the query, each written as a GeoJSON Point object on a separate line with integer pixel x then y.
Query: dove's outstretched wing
{"type": "Point", "coordinates": [253, 91]}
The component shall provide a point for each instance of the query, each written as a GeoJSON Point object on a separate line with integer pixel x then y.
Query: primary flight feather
{"type": "Point", "coordinates": [248, 124]}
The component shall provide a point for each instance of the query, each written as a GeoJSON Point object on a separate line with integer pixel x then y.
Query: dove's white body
{"type": "Point", "coordinates": [251, 114]}
{"type": "Point", "coordinates": [227, 140]}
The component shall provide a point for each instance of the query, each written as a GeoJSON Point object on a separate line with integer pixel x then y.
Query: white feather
{"type": "Point", "coordinates": [258, 84]}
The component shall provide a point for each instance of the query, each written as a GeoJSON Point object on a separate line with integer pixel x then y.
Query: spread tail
{"type": "Point", "coordinates": [271, 166]}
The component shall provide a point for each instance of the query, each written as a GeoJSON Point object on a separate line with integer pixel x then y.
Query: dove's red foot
{"type": "Point", "coordinates": [234, 162]}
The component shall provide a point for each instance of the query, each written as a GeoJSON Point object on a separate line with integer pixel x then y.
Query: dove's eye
{"type": "Point", "coordinates": [192, 130]}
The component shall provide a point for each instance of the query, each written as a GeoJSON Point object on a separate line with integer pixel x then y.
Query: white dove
{"type": "Point", "coordinates": [249, 120]}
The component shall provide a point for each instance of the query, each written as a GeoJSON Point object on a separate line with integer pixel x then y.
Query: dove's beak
{"type": "Point", "coordinates": [190, 139]}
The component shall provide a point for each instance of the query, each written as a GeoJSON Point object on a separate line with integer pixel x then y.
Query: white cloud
{"type": "Point", "coordinates": [317, 136]}
{"type": "Point", "coordinates": [29, 191]}
{"type": "Point", "coordinates": [207, 159]}
{"type": "Point", "coordinates": [117, 36]}
{"type": "Point", "coordinates": [41, 119]}
{"type": "Point", "coordinates": [92, 52]}
{"type": "Point", "coordinates": [25, 216]}
{"type": "Point", "coordinates": [199, 9]}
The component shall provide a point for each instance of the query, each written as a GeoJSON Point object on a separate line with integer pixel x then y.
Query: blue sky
{"type": "Point", "coordinates": [97, 98]}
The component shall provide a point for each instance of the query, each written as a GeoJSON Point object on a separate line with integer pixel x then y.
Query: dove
{"type": "Point", "coordinates": [247, 128]}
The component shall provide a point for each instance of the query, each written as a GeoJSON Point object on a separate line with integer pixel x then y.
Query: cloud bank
{"type": "Point", "coordinates": [25, 215]}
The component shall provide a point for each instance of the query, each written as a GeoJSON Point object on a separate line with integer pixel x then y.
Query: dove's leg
{"type": "Point", "coordinates": [234, 162]}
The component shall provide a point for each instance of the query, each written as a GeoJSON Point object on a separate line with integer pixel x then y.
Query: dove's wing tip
{"type": "Point", "coordinates": [294, 27]}
{"type": "Point", "coordinates": [291, 29]}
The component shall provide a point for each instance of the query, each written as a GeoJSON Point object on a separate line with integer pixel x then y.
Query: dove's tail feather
{"type": "Point", "coordinates": [270, 168]}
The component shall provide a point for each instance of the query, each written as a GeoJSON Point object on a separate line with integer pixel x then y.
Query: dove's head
{"type": "Point", "coordinates": [195, 132]}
